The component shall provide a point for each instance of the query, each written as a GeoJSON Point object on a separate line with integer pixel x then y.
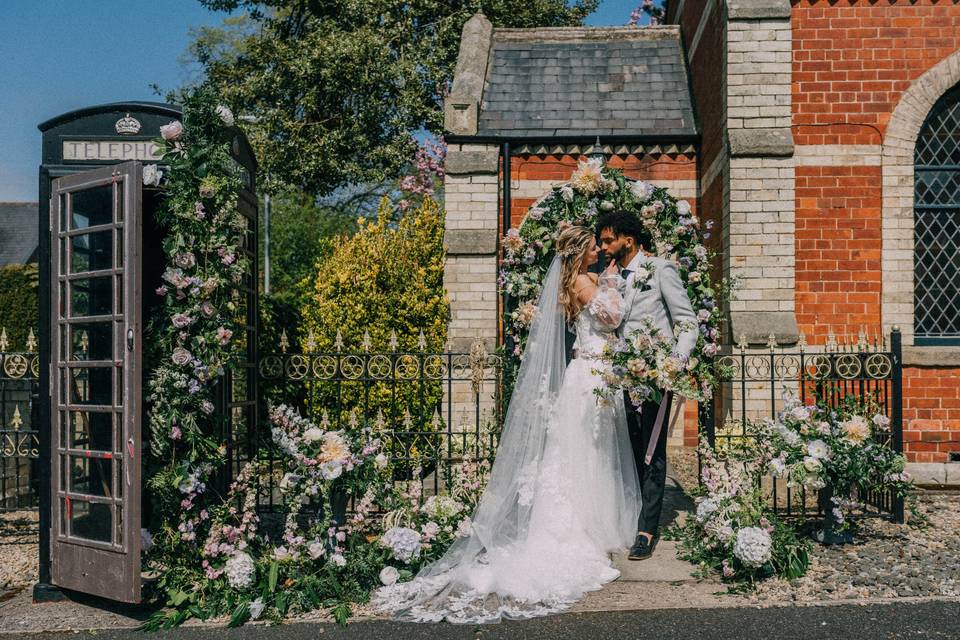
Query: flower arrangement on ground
{"type": "Point", "coordinates": [841, 450]}
{"type": "Point", "coordinates": [733, 532]}
{"type": "Point", "coordinates": [319, 557]}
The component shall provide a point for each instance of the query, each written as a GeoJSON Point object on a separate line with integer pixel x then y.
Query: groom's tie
{"type": "Point", "coordinates": [624, 273]}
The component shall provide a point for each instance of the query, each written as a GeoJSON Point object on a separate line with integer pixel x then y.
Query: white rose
{"type": "Point", "coordinates": [152, 175]}
{"type": "Point", "coordinates": [818, 449]}
{"type": "Point", "coordinates": [172, 131]}
{"type": "Point", "coordinates": [606, 205]}
{"type": "Point", "coordinates": [380, 461]}
{"type": "Point", "coordinates": [225, 115]}
{"type": "Point", "coordinates": [331, 470]}
{"type": "Point", "coordinates": [316, 549]}
{"type": "Point", "coordinates": [389, 575]}
{"type": "Point", "coordinates": [566, 193]}
{"type": "Point", "coordinates": [256, 608]}
{"type": "Point", "coordinates": [313, 434]}
{"type": "Point", "coordinates": [338, 560]}
{"type": "Point", "coordinates": [683, 207]}
{"type": "Point", "coordinates": [811, 464]}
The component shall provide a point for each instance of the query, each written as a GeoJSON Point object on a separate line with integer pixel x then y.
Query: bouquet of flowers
{"type": "Point", "coordinates": [841, 449]}
{"type": "Point", "coordinates": [645, 365]}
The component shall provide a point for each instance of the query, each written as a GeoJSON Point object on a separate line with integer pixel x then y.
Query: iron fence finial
{"type": "Point", "coordinates": [3, 339]}
{"type": "Point", "coordinates": [742, 342]}
{"type": "Point", "coordinates": [31, 341]}
{"type": "Point", "coordinates": [367, 342]}
{"type": "Point", "coordinates": [284, 341]}
{"type": "Point", "coordinates": [393, 343]}
{"type": "Point", "coordinates": [338, 341]}
{"type": "Point", "coordinates": [422, 342]}
{"type": "Point", "coordinates": [311, 343]}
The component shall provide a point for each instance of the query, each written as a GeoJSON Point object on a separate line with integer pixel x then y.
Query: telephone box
{"type": "Point", "coordinates": [101, 260]}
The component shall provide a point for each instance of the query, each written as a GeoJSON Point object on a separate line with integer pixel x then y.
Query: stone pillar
{"type": "Point", "coordinates": [758, 245]}
{"type": "Point", "coordinates": [471, 197]}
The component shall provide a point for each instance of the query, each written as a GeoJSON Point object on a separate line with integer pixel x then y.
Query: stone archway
{"type": "Point", "coordinates": [898, 186]}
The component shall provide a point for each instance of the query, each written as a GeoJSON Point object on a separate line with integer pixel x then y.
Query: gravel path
{"type": "Point", "coordinates": [886, 561]}
{"type": "Point", "coordinates": [18, 552]}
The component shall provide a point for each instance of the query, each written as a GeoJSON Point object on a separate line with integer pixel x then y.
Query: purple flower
{"type": "Point", "coordinates": [193, 386]}
{"type": "Point", "coordinates": [162, 290]}
{"type": "Point", "coordinates": [199, 211]}
{"type": "Point", "coordinates": [208, 309]}
{"type": "Point", "coordinates": [175, 432]}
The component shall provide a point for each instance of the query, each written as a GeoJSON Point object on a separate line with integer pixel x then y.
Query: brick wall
{"type": "Point", "coordinates": [852, 63]}
{"type": "Point", "coordinates": [931, 413]}
{"type": "Point", "coordinates": [838, 250]}
{"type": "Point", "coordinates": [532, 176]}
{"type": "Point", "coordinates": [853, 60]}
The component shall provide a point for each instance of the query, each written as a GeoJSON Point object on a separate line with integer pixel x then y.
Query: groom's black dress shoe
{"type": "Point", "coordinates": [642, 548]}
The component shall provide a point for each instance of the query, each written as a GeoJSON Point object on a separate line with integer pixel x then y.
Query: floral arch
{"type": "Point", "coordinates": [676, 232]}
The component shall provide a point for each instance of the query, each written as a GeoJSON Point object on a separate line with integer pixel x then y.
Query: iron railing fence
{"type": "Point", "coordinates": [433, 410]}
{"type": "Point", "coordinates": [19, 441]}
{"type": "Point", "coordinates": [756, 385]}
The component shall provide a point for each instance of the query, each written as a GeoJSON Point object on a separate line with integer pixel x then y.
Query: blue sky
{"type": "Point", "coordinates": [59, 55]}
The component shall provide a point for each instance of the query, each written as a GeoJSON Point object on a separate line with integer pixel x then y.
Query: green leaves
{"type": "Point", "coordinates": [341, 89]}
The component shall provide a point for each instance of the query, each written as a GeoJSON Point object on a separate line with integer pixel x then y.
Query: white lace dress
{"type": "Point", "coordinates": [584, 503]}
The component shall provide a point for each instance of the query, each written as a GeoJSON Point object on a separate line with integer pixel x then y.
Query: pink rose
{"type": "Point", "coordinates": [181, 356]}
{"type": "Point", "coordinates": [172, 131]}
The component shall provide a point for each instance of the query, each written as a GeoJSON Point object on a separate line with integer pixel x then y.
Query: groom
{"type": "Point", "coordinates": [662, 296]}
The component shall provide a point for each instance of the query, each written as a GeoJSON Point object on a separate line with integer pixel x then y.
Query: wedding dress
{"type": "Point", "coordinates": [562, 494]}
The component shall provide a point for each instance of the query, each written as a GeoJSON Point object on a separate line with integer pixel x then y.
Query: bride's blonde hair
{"type": "Point", "coordinates": [572, 246]}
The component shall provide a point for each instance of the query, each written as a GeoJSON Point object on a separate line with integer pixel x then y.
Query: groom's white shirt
{"type": "Point", "coordinates": [666, 301]}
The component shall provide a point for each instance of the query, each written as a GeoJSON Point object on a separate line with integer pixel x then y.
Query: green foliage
{"type": "Point", "coordinates": [387, 278]}
{"type": "Point", "coordinates": [198, 328]}
{"type": "Point", "coordinates": [302, 232]}
{"type": "Point", "coordinates": [19, 303]}
{"type": "Point", "coordinates": [340, 88]}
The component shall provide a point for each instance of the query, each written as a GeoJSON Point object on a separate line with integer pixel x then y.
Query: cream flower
{"type": "Point", "coordinates": [856, 429]}
{"type": "Point", "coordinates": [334, 448]}
{"type": "Point", "coordinates": [587, 179]}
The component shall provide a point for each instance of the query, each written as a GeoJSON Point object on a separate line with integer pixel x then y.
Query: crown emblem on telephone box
{"type": "Point", "coordinates": [128, 126]}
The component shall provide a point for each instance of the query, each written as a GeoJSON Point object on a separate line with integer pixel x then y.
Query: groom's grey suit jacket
{"type": "Point", "coordinates": [664, 298]}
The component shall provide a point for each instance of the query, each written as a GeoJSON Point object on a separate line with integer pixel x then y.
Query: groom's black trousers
{"type": "Point", "coordinates": [653, 476]}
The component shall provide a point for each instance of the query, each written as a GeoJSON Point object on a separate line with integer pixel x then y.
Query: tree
{"type": "Point", "coordinates": [340, 87]}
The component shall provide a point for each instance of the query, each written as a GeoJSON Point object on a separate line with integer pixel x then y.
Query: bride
{"type": "Point", "coordinates": [563, 491]}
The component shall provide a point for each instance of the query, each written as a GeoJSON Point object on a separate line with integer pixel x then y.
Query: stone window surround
{"type": "Point", "coordinates": [897, 212]}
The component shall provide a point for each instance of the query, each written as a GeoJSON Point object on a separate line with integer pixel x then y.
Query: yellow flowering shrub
{"type": "Point", "coordinates": [388, 277]}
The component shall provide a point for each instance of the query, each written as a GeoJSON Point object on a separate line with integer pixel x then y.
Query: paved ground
{"type": "Point", "coordinates": [846, 622]}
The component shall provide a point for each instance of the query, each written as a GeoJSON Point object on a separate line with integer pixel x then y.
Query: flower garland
{"type": "Point", "coordinates": [593, 188]}
{"type": "Point", "coordinates": [193, 328]}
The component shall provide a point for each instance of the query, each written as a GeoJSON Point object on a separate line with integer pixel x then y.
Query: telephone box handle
{"type": "Point", "coordinates": [130, 339]}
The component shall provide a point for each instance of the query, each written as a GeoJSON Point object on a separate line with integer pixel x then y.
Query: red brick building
{"type": "Point", "coordinates": [825, 143]}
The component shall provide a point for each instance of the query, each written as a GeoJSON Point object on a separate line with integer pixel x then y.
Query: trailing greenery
{"type": "Point", "coordinates": [197, 330]}
{"type": "Point", "coordinates": [19, 303]}
{"type": "Point", "coordinates": [341, 89]}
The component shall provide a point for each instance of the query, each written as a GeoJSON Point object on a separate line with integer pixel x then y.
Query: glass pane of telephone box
{"type": "Point", "coordinates": [91, 251]}
{"type": "Point", "coordinates": [91, 207]}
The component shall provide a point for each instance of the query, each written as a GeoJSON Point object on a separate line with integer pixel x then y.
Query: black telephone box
{"type": "Point", "coordinates": [100, 262]}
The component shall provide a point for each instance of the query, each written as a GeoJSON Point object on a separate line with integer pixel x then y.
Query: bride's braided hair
{"type": "Point", "coordinates": [572, 246]}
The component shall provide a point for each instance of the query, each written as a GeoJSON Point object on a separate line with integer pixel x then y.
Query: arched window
{"type": "Point", "coordinates": [937, 225]}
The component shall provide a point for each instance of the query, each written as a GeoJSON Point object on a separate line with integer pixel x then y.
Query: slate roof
{"type": "Point", "coordinates": [582, 81]}
{"type": "Point", "coordinates": [18, 232]}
